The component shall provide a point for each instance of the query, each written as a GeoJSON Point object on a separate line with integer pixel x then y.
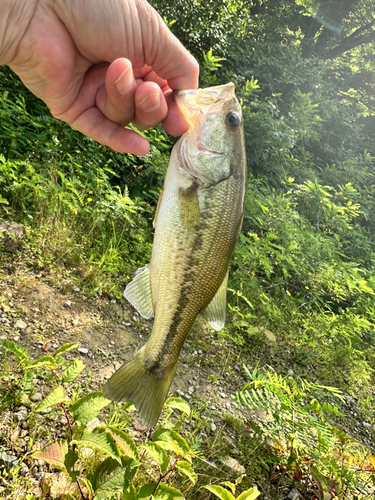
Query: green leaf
{"type": "Point", "coordinates": [72, 371]}
{"type": "Point", "coordinates": [88, 407]}
{"type": "Point", "coordinates": [186, 469]}
{"type": "Point", "coordinates": [250, 494]}
{"type": "Point", "coordinates": [172, 492]}
{"type": "Point", "coordinates": [125, 443]}
{"type": "Point", "coordinates": [47, 361]}
{"type": "Point", "coordinates": [70, 459]}
{"type": "Point", "coordinates": [158, 454]}
{"type": "Point", "coordinates": [83, 480]}
{"type": "Point", "coordinates": [146, 491]}
{"type": "Point", "coordinates": [230, 485]}
{"type": "Point", "coordinates": [171, 440]}
{"type": "Point", "coordinates": [271, 336]}
{"type": "Point", "coordinates": [99, 439]}
{"type": "Point", "coordinates": [53, 454]}
{"type": "Point", "coordinates": [220, 492]}
{"type": "Point", "coordinates": [66, 348]}
{"type": "Point", "coordinates": [18, 351]}
{"type": "Point", "coordinates": [130, 493]}
{"type": "Point", "coordinates": [55, 397]}
{"type": "Point", "coordinates": [108, 476]}
{"type": "Point", "coordinates": [179, 404]}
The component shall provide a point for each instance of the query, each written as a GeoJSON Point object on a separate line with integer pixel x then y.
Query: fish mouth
{"type": "Point", "coordinates": [195, 101]}
{"type": "Point", "coordinates": [213, 153]}
{"type": "Point", "coordinates": [208, 95]}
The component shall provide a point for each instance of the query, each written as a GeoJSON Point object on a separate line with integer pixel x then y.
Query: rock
{"type": "Point", "coordinates": [60, 485]}
{"type": "Point", "coordinates": [21, 445]}
{"type": "Point", "coordinates": [68, 303]}
{"type": "Point", "coordinates": [191, 390]}
{"type": "Point", "coordinates": [46, 411]}
{"type": "Point", "coordinates": [20, 325]}
{"type": "Point", "coordinates": [36, 397]}
{"type": "Point", "coordinates": [138, 426]}
{"type": "Point", "coordinates": [83, 350]}
{"type": "Point", "coordinates": [15, 435]}
{"type": "Point", "coordinates": [113, 301]}
{"type": "Point", "coordinates": [11, 236]}
{"type": "Point", "coordinates": [366, 425]}
{"type": "Point", "coordinates": [227, 405]}
{"type": "Point", "coordinates": [21, 414]}
{"type": "Point", "coordinates": [8, 460]}
{"type": "Point", "coordinates": [213, 427]}
{"type": "Point", "coordinates": [93, 424]}
{"type": "Point", "coordinates": [234, 465]}
{"type": "Point", "coordinates": [223, 395]}
{"type": "Point", "coordinates": [291, 373]}
{"type": "Point", "coordinates": [293, 495]}
{"type": "Point", "coordinates": [76, 289]}
{"type": "Point", "coordinates": [24, 469]}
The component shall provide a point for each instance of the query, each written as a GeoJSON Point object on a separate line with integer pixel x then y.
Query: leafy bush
{"type": "Point", "coordinates": [100, 457]}
{"type": "Point", "coordinates": [294, 422]}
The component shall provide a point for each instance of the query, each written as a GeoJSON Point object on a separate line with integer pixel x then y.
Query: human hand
{"type": "Point", "coordinates": [99, 65]}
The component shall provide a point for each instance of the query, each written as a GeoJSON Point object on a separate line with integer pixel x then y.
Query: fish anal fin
{"type": "Point", "coordinates": [135, 382]}
{"type": "Point", "coordinates": [216, 310]}
{"type": "Point", "coordinates": [138, 293]}
{"type": "Point", "coordinates": [189, 206]}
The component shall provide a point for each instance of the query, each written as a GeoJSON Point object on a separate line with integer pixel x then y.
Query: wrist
{"type": "Point", "coordinates": [15, 16]}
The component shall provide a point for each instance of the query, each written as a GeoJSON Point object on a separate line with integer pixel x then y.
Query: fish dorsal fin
{"type": "Point", "coordinates": [138, 293]}
{"type": "Point", "coordinates": [215, 311]}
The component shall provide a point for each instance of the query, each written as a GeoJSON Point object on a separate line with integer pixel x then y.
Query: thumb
{"type": "Point", "coordinates": [165, 53]}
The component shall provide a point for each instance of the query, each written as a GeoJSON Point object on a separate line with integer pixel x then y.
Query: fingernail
{"type": "Point", "coordinates": [150, 102]}
{"type": "Point", "coordinates": [124, 81]}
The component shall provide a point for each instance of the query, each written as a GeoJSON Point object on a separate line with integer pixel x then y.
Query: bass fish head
{"type": "Point", "coordinates": [214, 142]}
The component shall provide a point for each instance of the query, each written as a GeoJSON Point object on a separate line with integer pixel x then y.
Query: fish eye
{"type": "Point", "coordinates": [232, 120]}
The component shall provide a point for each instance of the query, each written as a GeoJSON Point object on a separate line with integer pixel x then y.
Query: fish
{"type": "Point", "coordinates": [197, 224]}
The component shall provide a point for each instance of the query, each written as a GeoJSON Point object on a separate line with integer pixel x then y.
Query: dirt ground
{"type": "Point", "coordinates": [108, 332]}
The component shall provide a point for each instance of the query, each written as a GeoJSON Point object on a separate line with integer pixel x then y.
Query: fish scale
{"type": "Point", "coordinates": [197, 224]}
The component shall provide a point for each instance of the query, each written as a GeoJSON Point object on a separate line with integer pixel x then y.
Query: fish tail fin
{"type": "Point", "coordinates": [135, 382]}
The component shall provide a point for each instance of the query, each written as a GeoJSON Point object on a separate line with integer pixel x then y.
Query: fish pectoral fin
{"type": "Point", "coordinates": [158, 208]}
{"type": "Point", "coordinates": [216, 310]}
{"type": "Point", "coordinates": [138, 293]}
{"type": "Point", "coordinates": [189, 206]}
{"type": "Point", "coordinates": [135, 382]}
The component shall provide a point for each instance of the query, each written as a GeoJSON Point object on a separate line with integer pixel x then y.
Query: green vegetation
{"type": "Point", "coordinates": [100, 459]}
{"type": "Point", "coordinates": [303, 270]}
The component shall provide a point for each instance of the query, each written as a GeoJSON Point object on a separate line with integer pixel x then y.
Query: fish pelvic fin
{"type": "Point", "coordinates": [138, 292]}
{"type": "Point", "coordinates": [216, 310]}
{"type": "Point", "coordinates": [136, 382]}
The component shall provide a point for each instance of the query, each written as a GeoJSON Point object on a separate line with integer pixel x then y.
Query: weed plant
{"type": "Point", "coordinates": [291, 417]}
{"type": "Point", "coordinates": [100, 458]}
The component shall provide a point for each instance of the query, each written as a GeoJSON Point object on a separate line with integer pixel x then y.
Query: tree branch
{"type": "Point", "coordinates": [349, 43]}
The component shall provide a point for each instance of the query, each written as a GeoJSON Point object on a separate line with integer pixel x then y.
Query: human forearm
{"type": "Point", "coordinates": [15, 16]}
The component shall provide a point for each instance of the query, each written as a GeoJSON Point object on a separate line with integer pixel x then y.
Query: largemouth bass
{"type": "Point", "coordinates": [197, 223]}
